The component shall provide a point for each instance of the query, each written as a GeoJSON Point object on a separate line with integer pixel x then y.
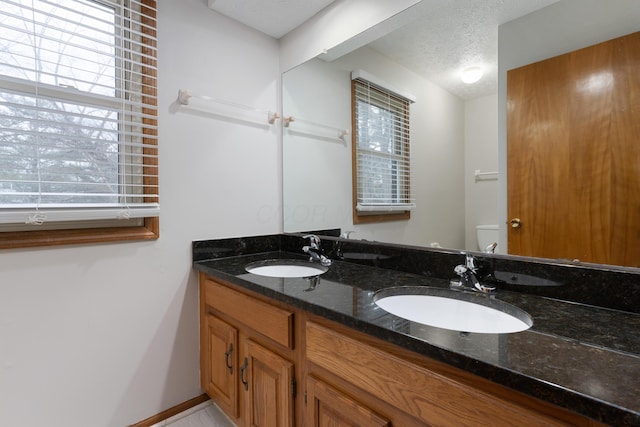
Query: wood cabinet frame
{"type": "Point", "coordinates": [377, 383]}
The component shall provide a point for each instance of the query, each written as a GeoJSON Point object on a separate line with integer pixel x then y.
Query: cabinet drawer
{"type": "Point", "coordinates": [270, 321]}
{"type": "Point", "coordinates": [419, 392]}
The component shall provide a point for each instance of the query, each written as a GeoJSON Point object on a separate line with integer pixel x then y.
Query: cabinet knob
{"type": "Point", "coordinates": [515, 223]}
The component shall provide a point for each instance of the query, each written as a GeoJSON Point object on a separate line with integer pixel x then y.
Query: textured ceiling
{"type": "Point", "coordinates": [452, 36]}
{"type": "Point", "coordinates": [444, 37]}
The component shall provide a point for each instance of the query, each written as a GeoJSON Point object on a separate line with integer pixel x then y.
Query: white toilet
{"type": "Point", "coordinates": [487, 235]}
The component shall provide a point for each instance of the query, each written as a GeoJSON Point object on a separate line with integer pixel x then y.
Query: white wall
{"type": "Point", "coordinates": [318, 189]}
{"type": "Point", "coordinates": [317, 171]}
{"type": "Point", "coordinates": [481, 153]}
{"type": "Point", "coordinates": [107, 335]}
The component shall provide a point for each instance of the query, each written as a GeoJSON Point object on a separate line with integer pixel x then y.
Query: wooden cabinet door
{"type": "Point", "coordinates": [267, 381]}
{"type": "Point", "coordinates": [573, 156]}
{"type": "Point", "coordinates": [425, 395]}
{"type": "Point", "coordinates": [328, 407]}
{"type": "Point", "coordinates": [220, 364]}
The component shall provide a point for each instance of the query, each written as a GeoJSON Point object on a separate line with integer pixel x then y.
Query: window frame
{"type": "Point", "coordinates": [362, 217]}
{"type": "Point", "coordinates": [149, 227]}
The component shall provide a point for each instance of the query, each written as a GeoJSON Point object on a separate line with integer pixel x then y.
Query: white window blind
{"type": "Point", "coordinates": [382, 148]}
{"type": "Point", "coordinates": [78, 116]}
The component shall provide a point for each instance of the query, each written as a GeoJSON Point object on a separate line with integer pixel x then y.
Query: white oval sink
{"type": "Point", "coordinates": [454, 310]}
{"type": "Point", "coordinates": [285, 268]}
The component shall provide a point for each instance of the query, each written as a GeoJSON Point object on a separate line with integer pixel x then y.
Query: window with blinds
{"type": "Point", "coordinates": [78, 115]}
{"type": "Point", "coordinates": [381, 150]}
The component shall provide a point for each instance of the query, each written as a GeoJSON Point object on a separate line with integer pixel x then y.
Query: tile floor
{"type": "Point", "coordinates": [204, 415]}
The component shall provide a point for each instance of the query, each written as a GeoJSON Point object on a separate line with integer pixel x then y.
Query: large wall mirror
{"type": "Point", "coordinates": [454, 135]}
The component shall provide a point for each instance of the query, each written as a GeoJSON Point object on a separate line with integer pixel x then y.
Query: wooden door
{"type": "Point", "coordinates": [573, 153]}
{"type": "Point", "coordinates": [328, 407]}
{"type": "Point", "coordinates": [220, 364]}
{"type": "Point", "coordinates": [267, 380]}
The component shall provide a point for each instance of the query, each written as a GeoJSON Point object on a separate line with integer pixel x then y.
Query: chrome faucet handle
{"type": "Point", "coordinates": [470, 262]}
{"type": "Point", "coordinates": [315, 250]}
{"type": "Point", "coordinates": [314, 240]}
{"type": "Point", "coordinates": [460, 269]}
{"type": "Point", "coordinates": [490, 249]}
{"type": "Point", "coordinates": [468, 278]}
{"type": "Point", "coordinates": [484, 288]}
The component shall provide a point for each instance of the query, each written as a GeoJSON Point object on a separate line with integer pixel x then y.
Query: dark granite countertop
{"type": "Point", "coordinates": [578, 356]}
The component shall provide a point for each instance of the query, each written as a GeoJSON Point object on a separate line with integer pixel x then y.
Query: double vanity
{"type": "Point", "coordinates": [296, 342]}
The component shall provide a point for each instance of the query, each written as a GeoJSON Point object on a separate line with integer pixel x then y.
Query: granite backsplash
{"type": "Point", "coordinates": [605, 286]}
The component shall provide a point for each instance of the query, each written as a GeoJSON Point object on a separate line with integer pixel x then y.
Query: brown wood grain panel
{"type": "Point", "coordinates": [537, 171]}
{"type": "Point", "coordinates": [269, 388]}
{"type": "Point", "coordinates": [29, 239]}
{"type": "Point", "coordinates": [266, 319]}
{"type": "Point", "coordinates": [425, 395]}
{"type": "Point", "coordinates": [327, 407]}
{"type": "Point", "coordinates": [573, 124]}
{"type": "Point", "coordinates": [625, 193]}
{"type": "Point", "coordinates": [220, 371]}
{"type": "Point", "coordinates": [590, 150]}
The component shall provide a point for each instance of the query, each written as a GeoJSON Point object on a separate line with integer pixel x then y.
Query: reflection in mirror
{"type": "Point", "coordinates": [452, 137]}
{"type": "Point", "coordinates": [317, 171]}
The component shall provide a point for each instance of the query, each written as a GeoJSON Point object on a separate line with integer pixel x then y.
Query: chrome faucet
{"type": "Point", "coordinates": [490, 249]}
{"type": "Point", "coordinates": [469, 277]}
{"type": "Point", "coordinates": [337, 246]}
{"type": "Point", "coordinates": [314, 249]}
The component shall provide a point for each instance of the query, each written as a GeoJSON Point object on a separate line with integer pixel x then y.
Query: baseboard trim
{"type": "Point", "coordinates": [168, 413]}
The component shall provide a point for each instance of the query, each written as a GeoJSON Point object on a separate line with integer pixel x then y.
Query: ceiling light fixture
{"type": "Point", "coordinates": [471, 74]}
